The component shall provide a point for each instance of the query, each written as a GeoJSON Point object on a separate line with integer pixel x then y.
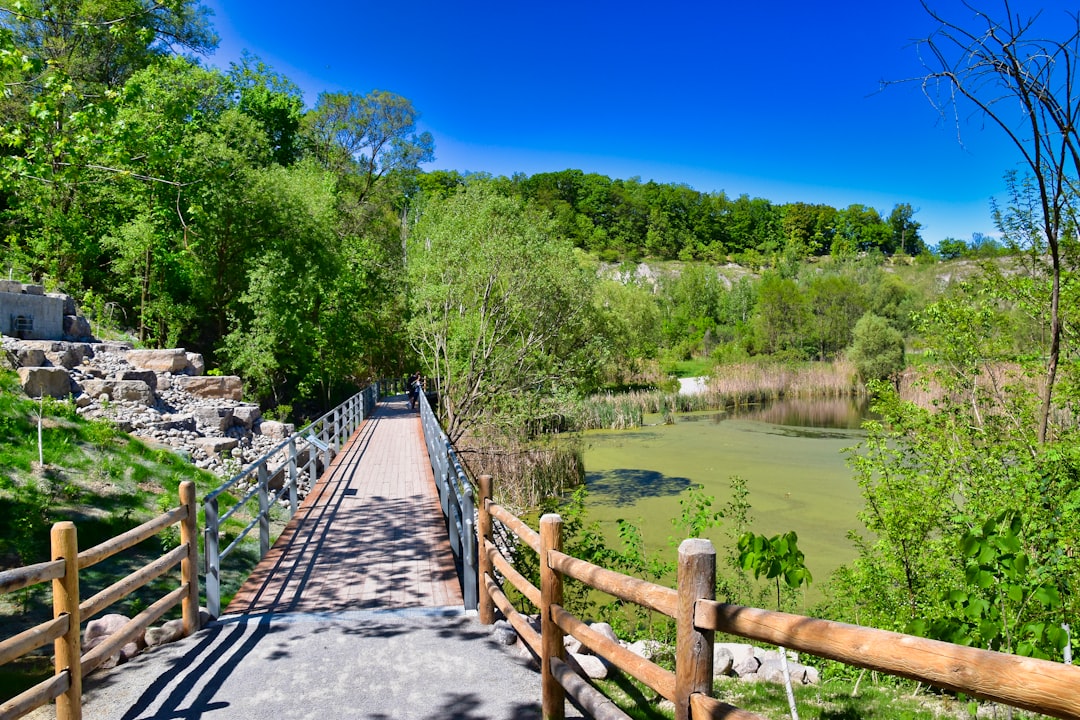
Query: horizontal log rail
{"type": "Point", "coordinates": [312, 448]}
{"type": "Point", "coordinates": [1039, 686]}
{"type": "Point", "coordinates": [64, 629]}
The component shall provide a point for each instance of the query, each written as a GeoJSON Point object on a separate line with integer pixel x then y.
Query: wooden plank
{"type": "Point", "coordinates": [527, 535]}
{"type": "Point", "coordinates": [703, 706]}
{"type": "Point", "coordinates": [594, 702]}
{"type": "Point", "coordinates": [127, 585]}
{"type": "Point", "coordinates": [21, 577]}
{"type": "Point", "coordinates": [516, 579]}
{"type": "Point", "coordinates": [42, 693]}
{"type": "Point", "coordinates": [656, 677]}
{"type": "Point", "coordinates": [650, 595]}
{"type": "Point", "coordinates": [1041, 686]}
{"type": "Point", "coordinates": [33, 638]}
{"type": "Point", "coordinates": [131, 538]}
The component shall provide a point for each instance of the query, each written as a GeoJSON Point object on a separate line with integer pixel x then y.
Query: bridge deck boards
{"type": "Point", "coordinates": [369, 536]}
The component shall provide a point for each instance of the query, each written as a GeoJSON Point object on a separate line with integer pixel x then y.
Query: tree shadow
{"type": "Point", "coordinates": [623, 487]}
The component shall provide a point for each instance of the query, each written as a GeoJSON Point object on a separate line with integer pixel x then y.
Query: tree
{"type": "Point", "coordinates": [1025, 84]}
{"type": "Point", "coordinates": [905, 230]}
{"type": "Point", "coordinates": [877, 348]}
{"type": "Point", "coordinates": [367, 135]}
{"type": "Point", "coordinates": [499, 307]}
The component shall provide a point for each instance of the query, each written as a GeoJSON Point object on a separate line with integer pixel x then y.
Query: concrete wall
{"type": "Point", "coordinates": [44, 314]}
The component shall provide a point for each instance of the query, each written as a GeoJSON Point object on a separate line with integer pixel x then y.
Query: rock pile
{"type": "Point", "coordinates": [160, 396]}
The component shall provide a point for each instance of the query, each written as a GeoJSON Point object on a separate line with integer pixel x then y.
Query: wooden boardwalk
{"type": "Point", "coordinates": [370, 535]}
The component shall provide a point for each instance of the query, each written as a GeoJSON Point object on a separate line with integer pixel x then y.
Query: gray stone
{"type": "Point", "coordinates": [196, 365]}
{"type": "Point", "coordinates": [37, 291]}
{"type": "Point", "coordinates": [69, 302]}
{"type": "Point", "coordinates": [590, 665]}
{"type": "Point", "coordinates": [83, 400]}
{"type": "Point", "coordinates": [131, 390]}
{"type": "Point", "coordinates": [217, 419]}
{"type": "Point", "coordinates": [114, 348]}
{"type": "Point", "coordinates": [771, 671]}
{"type": "Point", "coordinates": [40, 381]}
{"type": "Point", "coordinates": [504, 633]}
{"type": "Point", "coordinates": [167, 360]}
{"type": "Point", "coordinates": [30, 356]}
{"type": "Point", "coordinates": [147, 376]}
{"type": "Point", "coordinates": [745, 665]}
{"type": "Point", "coordinates": [223, 387]}
{"type": "Point", "coordinates": [722, 662]}
{"type": "Point", "coordinates": [572, 644]}
{"type": "Point", "coordinates": [77, 327]}
{"type": "Point", "coordinates": [275, 430]}
{"type": "Point", "coordinates": [215, 445]}
{"type": "Point", "coordinates": [647, 649]}
{"type": "Point", "coordinates": [246, 415]}
{"type": "Point", "coordinates": [170, 631]}
{"type": "Point", "coordinates": [176, 422]}
{"type": "Point", "coordinates": [606, 630]}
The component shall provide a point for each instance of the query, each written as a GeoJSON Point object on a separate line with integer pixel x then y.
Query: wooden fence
{"type": "Point", "coordinates": [1038, 685]}
{"type": "Point", "coordinates": [69, 612]}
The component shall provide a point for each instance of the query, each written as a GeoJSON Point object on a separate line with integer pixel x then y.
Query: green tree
{"type": "Point", "coordinates": [877, 348]}
{"type": "Point", "coordinates": [499, 306]}
{"type": "Point", "coordinates": [782, 318]}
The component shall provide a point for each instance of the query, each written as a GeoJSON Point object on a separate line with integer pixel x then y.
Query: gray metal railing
{"type": "Point", "coordinates": [456, 497]}
{"type": "Point", "coordinates": [313, 447]}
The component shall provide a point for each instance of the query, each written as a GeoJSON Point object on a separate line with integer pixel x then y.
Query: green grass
{"type": "Point", "coordinates": [695, 367]}
{"type": "Point", "coordinates": [106, 482]}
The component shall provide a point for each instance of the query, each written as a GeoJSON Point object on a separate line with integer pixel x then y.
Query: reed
{"type": "Point", "coordinates": [527, 474]}
{"type": "Point", "coordinates": [730, 386]}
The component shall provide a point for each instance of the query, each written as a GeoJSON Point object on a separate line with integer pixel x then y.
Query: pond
{"type": "Point", "coordinates": [790, 454]}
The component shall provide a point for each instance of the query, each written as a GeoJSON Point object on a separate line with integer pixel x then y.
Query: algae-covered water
{"type": "Point", "coordinates": [790, 455]}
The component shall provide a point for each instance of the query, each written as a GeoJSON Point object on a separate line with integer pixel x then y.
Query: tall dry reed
{"type": "Point", "coordinates": [526, 475]}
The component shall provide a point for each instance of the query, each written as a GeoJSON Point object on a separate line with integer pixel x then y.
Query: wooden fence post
{"type": "Point", "coordinates": [189, 566]}
{"type": "Point", "coordinates": [485, 606]}
{"type": "Point", "coordinates": [67, 648]}
{"type": "Point", "coordinates": [693, 647]}
{"type": "Point", "coordinates": [552, 695]}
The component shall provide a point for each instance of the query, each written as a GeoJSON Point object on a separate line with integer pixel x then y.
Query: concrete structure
{"type": "Point", "coordinates": [26, 312]}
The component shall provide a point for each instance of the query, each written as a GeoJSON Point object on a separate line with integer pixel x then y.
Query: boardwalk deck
{"type": "Point", "coordinates": [369, 536]}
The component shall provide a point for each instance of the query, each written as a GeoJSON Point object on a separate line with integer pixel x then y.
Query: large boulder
{"type": "Point", "coordinates": [172, 360]}
{"type": "Point", "coordinates": [30, 356]}
{"type": "Point", "coordinates": [246, 415]}
{"type": "Point", "coordinates": [217, 387]}
{"type": "Point", "coordinates": [77, 327]}
{"type": "Point", "coordinates": [147, 376]}
{"type": "Point", "coordinates": [41, 381]}
{"type": "Point", "coordinates": [215, 445]}
{"type": "Point", "coordinates": [275, 430]}
{"type": "Point", "coordinates": [215, 419]}
{"type": "Point", "coordinates": [130, 390]}
{"type": "Point", "coordinates": [196, 364]}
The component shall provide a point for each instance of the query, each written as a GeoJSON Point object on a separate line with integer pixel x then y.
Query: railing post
{"type": "Point", "coordinates": [552, 695]}
{"type": "Point", "coordinates": [264, 511]}
{"type": "Point", "coordinates": [65, 546]}
{"type": "Point", "coordinates": [484, 537]}
{"type": "Point", "coordinates": [189, 566]}
{"type": "Point", "coordinates": [327, 439]}
{"type": "Point", "coordinates": [335, 439]}
{"type": "Point", "coordinates": [693, 647]}
{"type": "Point", "coordinates": [292, 476]}
{"type": "Point", "coordinates": [213, 558]}
{"type": "Point", "coordinates": [468, 546]}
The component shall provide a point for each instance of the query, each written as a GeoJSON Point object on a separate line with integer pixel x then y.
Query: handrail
{"type": "Point", "coordinates": [313, 446]}
{"type": "Point", "coordinates": [63, 630]}
{"type": "Point", "coordinates": [456, 498]}
{"type": "Point", "coordinates": [1040, 686]}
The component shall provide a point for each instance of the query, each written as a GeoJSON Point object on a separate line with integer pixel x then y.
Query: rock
{"type": "Point", "coordinates": [590, 665]}
{"type": "Point", "coordinates": [504, 633]}
{"type": "Point", "coordinates": [606, 630]}
{"type": "Point", "coordinates": [812, 676]}
{"type": "Point", "coordinates": [30, 357]}
{"type": "Point", "coordinates": [722, 661]}
{"type": "Point", "coordinates": [76, 327]}
{"type": "Point", "coordinates": [275, 430]}
{"type": "Point", "coordinates": [647, 649]}
{"type": "Point", "coordinates": [572, 644]}
{"type": "Point", "coordinates": [227, 387]}
{"type": "Point", "coordinates": [100, 628]}
{"type": "Point", "coordinates": [247, 415]}
{"type": "Point", "coordinates": [41, 381]}
{"type": "Point", "coordinates": [132, 390]}
{"type": "Point", "coordinates": [771, 671]}
{"type": "Point", "coordinates": [68, 301]}
{"type": "Point", "coordinates": [215, 445]}
{"type": "Point", "coordinates": [217, 419]}
{"type": "Point", "coordinates": [34, 290]}
{"type": "Point", "coordinates": [196, 365]}
{"type": "Point", "coordinates": [169, 360]}
{"type": "Point", "coordinates": [83, 400]}
{"type": "Point", "coordinates": [147, 376]}
{"type": "Point", "coordinates": [745, 665]}
{"type": "Point", "coordinates": [170, 631]}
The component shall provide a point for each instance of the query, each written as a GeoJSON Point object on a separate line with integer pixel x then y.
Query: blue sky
{"type": "Point", "coordinates": [780, 100]}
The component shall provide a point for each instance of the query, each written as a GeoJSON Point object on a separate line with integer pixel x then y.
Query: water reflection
{"type": "Point", "coordinates": [834, 414]}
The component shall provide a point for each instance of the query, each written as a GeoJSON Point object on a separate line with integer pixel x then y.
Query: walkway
{"type": "Point", "coordinates": [355, 613]}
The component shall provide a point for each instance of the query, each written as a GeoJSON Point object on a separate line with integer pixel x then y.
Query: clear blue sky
{"type": "Point", "coordinates": [774, 99]}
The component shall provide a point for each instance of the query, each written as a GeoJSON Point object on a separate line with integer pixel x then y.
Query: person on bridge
{"type": "Point", "coordinates": [415, 387]}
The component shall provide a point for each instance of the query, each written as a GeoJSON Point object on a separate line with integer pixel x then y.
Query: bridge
{"type": "Point", "coordinates": [361, 608]}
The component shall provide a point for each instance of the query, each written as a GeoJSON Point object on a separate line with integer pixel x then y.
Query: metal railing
{"type": "Point", "coordinates": [456, 497]}
{"type": "Point", "coordinates": [312, 447]}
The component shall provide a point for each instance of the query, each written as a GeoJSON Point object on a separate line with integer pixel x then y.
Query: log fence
{"type": "Point", "coordinates": [1040, 686]}
{"type": "Point", "coordinates": [70, 612]}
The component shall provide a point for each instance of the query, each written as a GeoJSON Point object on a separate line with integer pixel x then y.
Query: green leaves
{"type": "Point", "coordinates": [776, 558]}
